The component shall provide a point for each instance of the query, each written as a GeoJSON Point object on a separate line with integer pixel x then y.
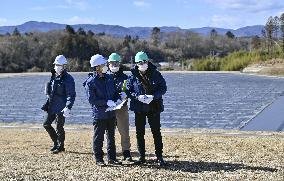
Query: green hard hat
{"type": "Point", "coordinates": [114, 57]}
{"type": "Point", "coordinates": [141, 56]}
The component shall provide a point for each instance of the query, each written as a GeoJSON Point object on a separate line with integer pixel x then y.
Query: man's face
{"type": "Point", "coordinates": [58, 68]}
{"type": "Point", "coordinates": [101, 68]}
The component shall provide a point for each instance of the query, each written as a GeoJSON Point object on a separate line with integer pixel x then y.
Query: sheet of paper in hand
{"type": "Point", "coordinates": [118, 106]}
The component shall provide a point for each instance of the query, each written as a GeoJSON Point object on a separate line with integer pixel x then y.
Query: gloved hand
{"type": "Point", "coordinates": [149, 99]}
{"type": "Point", "coordinates": [110, 103]}
{"type": "Point", "coordinates": [66, 112]}
{"type": "Point", "coordinates": [123, 95]}
{"type": "Point", "coordinates": [118, 102]}
{"type": "Point", "coordinates": [141, 98]}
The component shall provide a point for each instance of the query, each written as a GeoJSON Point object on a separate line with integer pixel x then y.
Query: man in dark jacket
{"type": "Point", "coordinates": [102, 96]}
{"type": "Point", "coordinates": [145, 88]}
{"type": "Point", "coordinates": [122, 116]}
{"type": "Point", "coordinates": [61, 95]}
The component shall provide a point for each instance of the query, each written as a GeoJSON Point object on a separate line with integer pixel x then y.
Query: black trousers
{"type": "Point", "coordinates": [58, 136]}
{"type": "Point", "coordinates": [100, 126]}
{"type": "Point", "coordinates": [155, 125]}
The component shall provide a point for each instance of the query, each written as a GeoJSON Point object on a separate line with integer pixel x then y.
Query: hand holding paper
{"type": "Point", "coordinates": [123, 95]}
{"type": "Point", "coordinates": [149, 99]}
{"type": "Point", "coordinates": [110, 103]}
{"type": "Point", "coordinates": [118, 105]}
{"type": "Point", "coordinates": [146, 99]}
{"type": "Point", "coordinates": [66, 112]}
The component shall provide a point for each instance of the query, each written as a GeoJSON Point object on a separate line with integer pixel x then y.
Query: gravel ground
{"type": "Point", "coordinates": [191, 154]}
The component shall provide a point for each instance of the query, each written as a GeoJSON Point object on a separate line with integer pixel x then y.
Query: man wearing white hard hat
{"type": "Point", "coordinates": [61, 93]}
{"type": "Point", "coordinates": [102, 95]}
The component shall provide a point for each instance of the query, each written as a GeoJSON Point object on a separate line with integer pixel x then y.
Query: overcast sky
{"type": "Point", "coordinates": [183, 13]}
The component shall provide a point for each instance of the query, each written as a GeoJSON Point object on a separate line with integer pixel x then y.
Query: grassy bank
{"type": "Point", "coordinates": [235, 61]}
{"type": "Point", "coordinates": [191, 154]}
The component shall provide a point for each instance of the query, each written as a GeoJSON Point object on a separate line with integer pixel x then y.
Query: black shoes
{"type": "Point", "coordinates": [100, 163]}
{"type": "Point", "coordinates": [140, 161]}
{"type": "Point", "coordinates": [58, 150]}
{"type": "Point", "coordinates": [127, 156]}
{"type": "Point", "coordinates": [161, 161]}
{"type": "Point", "coordinates": [54, 147]}
{"type": "Point", "coordinates": [114, 162]}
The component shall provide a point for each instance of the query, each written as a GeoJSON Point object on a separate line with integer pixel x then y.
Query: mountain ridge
{"type": "Point", "coordinates": [120, 31]}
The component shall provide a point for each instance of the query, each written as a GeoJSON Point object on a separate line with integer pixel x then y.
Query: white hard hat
{"type": "Point", "coordinates": [60, 60]}
{"type": "Point", "coordinates": [97, 60]}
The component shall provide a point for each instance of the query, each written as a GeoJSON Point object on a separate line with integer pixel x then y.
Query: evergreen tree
{"type": "Point", "coordinates": [81, 31]}
{"type": "Point", "coordinates": [230, 35]}
{"type": "Point", "coordinates": [16, 32]}
{"type": "Point", "coordinates": [69, 29]}
{"type": "Point", "coordinates": [156, 36]}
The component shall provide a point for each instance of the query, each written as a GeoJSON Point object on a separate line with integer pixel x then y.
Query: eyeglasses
{"type": "Point", "coordinates": [142, 62]}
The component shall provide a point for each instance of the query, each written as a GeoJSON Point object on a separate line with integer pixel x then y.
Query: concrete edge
{"type": "Point", "coordinates": [244, 124]}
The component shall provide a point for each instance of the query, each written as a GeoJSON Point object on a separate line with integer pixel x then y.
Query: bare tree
{"type": "Point", "coordinates": [269, 29]}
{"type": "Point", "coordinates": [282, 29]}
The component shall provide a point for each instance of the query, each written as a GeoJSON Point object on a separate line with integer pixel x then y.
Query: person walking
{"type": "Point", "coordinates": [61, 97]}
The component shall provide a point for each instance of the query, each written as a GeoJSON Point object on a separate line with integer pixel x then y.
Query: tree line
{"type": "Point", "coordinates": [268, 46]}
{"type": "Point", "coordinates": [35, 51]}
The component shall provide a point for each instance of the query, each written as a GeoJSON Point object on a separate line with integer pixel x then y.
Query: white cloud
{"type": "Point", "coordinates": [81, 4]}
{"type": "Point", "coordinates": [226, 21]}
{"type": "Point", "coordinates": [253, 6]}
{"type": "Point", "coordinates": [79, 20]}
{"type": "Point", "coordinates": [141, 4]}
{"type": "Point", "coordinates": [3, 21]}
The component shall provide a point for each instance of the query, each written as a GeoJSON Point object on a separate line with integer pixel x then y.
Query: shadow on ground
{"type": "Point", "coordinates": [196, 167]}
{"type": "Point", "coordinates": [190, 166]}
{"type": "Point", "coordinates": [119, 154]}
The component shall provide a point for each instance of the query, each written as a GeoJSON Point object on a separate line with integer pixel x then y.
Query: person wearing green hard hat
{"type": "Point", "coordinates": [122, 116]}
{"type": "Point", "coordinates": [145, 89]}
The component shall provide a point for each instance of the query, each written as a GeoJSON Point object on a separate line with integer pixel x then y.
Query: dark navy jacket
{"type": "Point", "coordinates": [134, 88]}
{"type": "Point", "coordinates": [61, 93]}
{"type": "Point", "coordinates": [119, 78]}
{"type": "Point", "coordinates": [99, 90]}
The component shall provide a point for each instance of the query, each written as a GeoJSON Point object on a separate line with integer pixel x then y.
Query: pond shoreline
{"type": "Point", "coordinates": [26, 74]}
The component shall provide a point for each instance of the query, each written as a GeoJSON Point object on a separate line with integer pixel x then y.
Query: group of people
{"type": "Point", "coordinates": [108, 89]}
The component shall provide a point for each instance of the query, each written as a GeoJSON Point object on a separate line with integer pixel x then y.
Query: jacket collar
{"type": "Point", "coordinates": [62, 75]}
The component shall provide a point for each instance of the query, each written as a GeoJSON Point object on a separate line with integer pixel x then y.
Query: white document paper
{"type": "Point", "coordinates": [118, 106]}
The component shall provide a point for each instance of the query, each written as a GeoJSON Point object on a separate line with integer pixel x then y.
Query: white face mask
{"type": "Point", "coordinates": [104, 69]}
{"type": "Point", "coordinates": [114, 69]}
{"type": "Point", "coordinates": [143, 67]}
{"type": "Point", "coordinates": [58, 69]}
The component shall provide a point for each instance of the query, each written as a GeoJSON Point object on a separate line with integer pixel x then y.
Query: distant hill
{"type": "Point", "coordinates": [116, 30]}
